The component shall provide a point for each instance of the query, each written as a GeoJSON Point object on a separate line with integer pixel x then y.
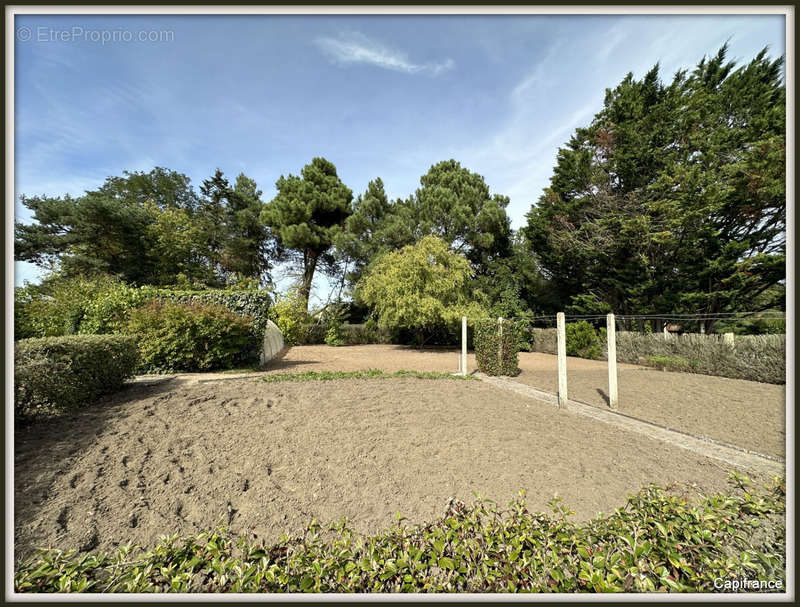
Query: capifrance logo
{"type": "Point", "coordinates": [745, 584]}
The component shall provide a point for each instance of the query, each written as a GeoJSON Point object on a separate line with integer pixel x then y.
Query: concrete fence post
{"type": "Point", "coordinates": [463, 345]}
{"type": "Point", "coordinates": [727, 339]}
{"type": "Point", "coordinates": [500, 341]}
{"type": "Point", "coordinates": [561, 332]}
{"type": "Point", "coordinates": [611, 338]}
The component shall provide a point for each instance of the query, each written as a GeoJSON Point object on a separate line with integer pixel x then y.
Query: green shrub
{"type": "Point", "coordinates": [253, 304]}
{"type": "Point", "coordinates": [523, 334]}
{"type": "Point", "coordinates": [102, 305]}
{"type": "Point", "coordinates": [662, 540]}
{"type": "Point", "coordinates": [334, 336]}
{"type": "Point", "coordinates": [57, 307]}
{"type": "Point", "coordinates": [582, 340]}
{"type": "Point", "coordinates": [107, 311]}
{"type": "Point", "coordinates": [289, 313]}
{"type": "Point", "coordinates": [669, 363]}
{"type": "Point", "coordinates": [191, 337]}
{"type": "Point", "coordinates": [366, 333]}
{"type": "Point", "coordinates": [496, 351]}
{"type": "Point", "coordinates": [52, 374]}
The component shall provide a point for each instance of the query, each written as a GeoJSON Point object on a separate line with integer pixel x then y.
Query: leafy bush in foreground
{"type": "Point", "coordinates": [661, 540]}
{"type": "Point", "coordinates": [52, 374]}
{"type": "Point", "coordinates": [191, 337]}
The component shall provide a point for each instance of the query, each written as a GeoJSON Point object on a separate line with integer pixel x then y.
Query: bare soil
{"type": "Point", "coordinates": [744, 413]}
{"type": "Point", "coordinates": [182, 456]}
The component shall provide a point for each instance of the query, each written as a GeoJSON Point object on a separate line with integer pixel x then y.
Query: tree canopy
{"type": "Point", "coordinates": [151, 228]}
{"type": "Point", "coordinates": [420, 287]}
{"type": "Point", "coordinates": [307, 213]}
{"type": "Point", "coordinates": [673, 198]}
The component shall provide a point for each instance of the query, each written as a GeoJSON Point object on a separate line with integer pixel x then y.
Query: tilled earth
{"type": "Point", "coordinates": [183, 456]}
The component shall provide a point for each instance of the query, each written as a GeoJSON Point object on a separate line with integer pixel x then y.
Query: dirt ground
{"type": "Point", "coordinates": [743, 413]}
{"type": "Point", "coordinates": [182, 456]}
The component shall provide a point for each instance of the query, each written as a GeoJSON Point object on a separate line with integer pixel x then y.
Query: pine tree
{"type": "Point", "coordinates": [673, 198]}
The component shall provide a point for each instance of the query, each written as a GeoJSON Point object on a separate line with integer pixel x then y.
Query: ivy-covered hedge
{"type": "Point", "coordinates": [496, 351]}
{"type": "Point", "coordinates": [252, 304]}
{"type": "Point", "coordinates": [103, 305]}
{"type": "Point", "coordinates": [663, 539]}
{"type": "Point", "coordinates": [52, 374]}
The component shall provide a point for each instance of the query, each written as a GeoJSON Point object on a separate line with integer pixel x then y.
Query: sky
{"type": "Point", "coordinates": [379, 96]}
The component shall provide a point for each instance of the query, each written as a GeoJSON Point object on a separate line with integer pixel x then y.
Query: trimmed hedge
{"type": "Point", "coordinates": [192, 337]}
{"type": "Point", "coordinates": [752, 357]}
{"type": "Point", "coordinates": [103, 305]}
{"type": "Point", "coordinates": [496, 354]}
{"type": "Point", "coordinates": [663, 539]}
{"type": "Point", "coordinates": [52, 374]}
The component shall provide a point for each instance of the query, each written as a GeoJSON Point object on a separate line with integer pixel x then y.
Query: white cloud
{"type": "Point", "coordinates": [357, 48]}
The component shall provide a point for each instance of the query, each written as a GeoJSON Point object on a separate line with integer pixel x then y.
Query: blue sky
{"type": "Point", "coordinates": [379, 96]}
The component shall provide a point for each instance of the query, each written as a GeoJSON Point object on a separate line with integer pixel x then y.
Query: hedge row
{"type": "Point", "coordinates": [52, 374]}
{"type": "Point", "coordinates": [101, 306]}
{"type": "Point", "coordinates": [753, 357]}
{"type": "Point", "coordinates": [191, 336]}
{"type": "Point", "coordinates": [544, 340]}
{"type": "Point", "coordinates": [251, 303]}
{"type": "Point", "coordinates": [496, 350]}
{"type": "Point", "coordinates": [661, 540]}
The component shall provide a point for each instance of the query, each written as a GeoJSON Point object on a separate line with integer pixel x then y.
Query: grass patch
{"type": "Point", "coordinates": [367, 374]}
{"type": "Point", "coordinates": [663, 539]}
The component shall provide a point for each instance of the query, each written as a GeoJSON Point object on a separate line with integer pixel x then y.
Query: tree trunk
{"type": "Point", "coordinates": [309, 266]}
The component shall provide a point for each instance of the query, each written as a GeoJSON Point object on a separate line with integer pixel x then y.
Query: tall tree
{"type": "Point", "coordinates": [375, 227]}
{"type": "Point", "coordinates": [305, 216]}
{"type": "Point", "coordinates": [673, 198]}
{"type": "Point", "coordinates": [106, 230]}
{"type": "Point", "coordinates": [235, 237]}
{"type": "Point", "coordinates": [454, 204]}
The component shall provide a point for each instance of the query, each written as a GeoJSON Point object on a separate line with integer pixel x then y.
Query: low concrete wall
{"type": "Point", "coordinates": [273, 345]}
